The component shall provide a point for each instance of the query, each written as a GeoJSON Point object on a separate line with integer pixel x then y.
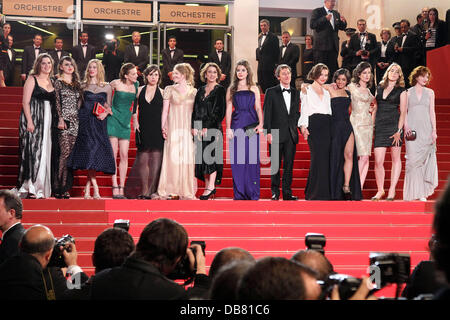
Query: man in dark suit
{"type": "Point", "coordinates": [267, 55]}
{"type": "Point", "coordinates": [223, 60]}
{"type": "Point", "coordinates": [82, 53]}
{"type": "Point", "coordinates": [408, 48]}
{"type": "Point", "coordinates": [326, 24]}
{"type": "Point", "coordinates": [362, 46]}
{"type": "Point", "coordinates": [30, 53]}
{"type": "Point", "coordinates": [57, 54]}
{"type": "Point", "coordinates": [170, 57]}
{"type": "Point", "coordinates": [9, 62]}
{"type": "Point", "coordinates": [27, 276]}
{"type": "Point", "coordinates": [289, 54]}
{"type": "Point", "coordinates": [281, 114]}
{"type": "Point", "coordinates": [138, 54]}
{"type": "Point", "coordinates": [10, 224]}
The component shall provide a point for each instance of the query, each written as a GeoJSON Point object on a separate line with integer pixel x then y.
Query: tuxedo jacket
{"type": "Point", "coordinates": [276, 115]}
{"type": "Point", "coordinates": [28, 58]}
{"type": "Point", "coordinates": [8, 65]}
{"type": "Point", "coordinates": [54, 54]}
{"type": "Point", "coordinates": [10, 244]}
{"type": "Point", "coordinates": [268, 53]}
{"type": "Point", "coordinates": [141, 60]}
{"type": "Point", "coordinates": [169, 62]}
{"type": "Point", "coordinates": [412, 50]}
{"type": "Point", "coordinates": [355, 45]}
{"type": "Point", "coordinates": [80, 59]}
{"type": "Point", "coordinates": [325, 37]}
{"type": "Point", "coordinates": [390, 52]}
{"type": "Point", "coordinates": [224, 65]}
{"type": "Point", "coordinates": [291, 57]}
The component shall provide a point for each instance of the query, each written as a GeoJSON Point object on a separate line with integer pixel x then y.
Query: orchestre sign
{"type": "Point", "coordinates": [38, 8]}
{"type": "Point", "coordinates": [193, 14]}
{"type": "Point", "coordinates": [97, 10]}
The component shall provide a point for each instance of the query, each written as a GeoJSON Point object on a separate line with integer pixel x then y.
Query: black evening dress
{"type": "Point", "coordinates": [308, 62]}
{"type": "Point", "coordinates": [146, 168]}
{"type": "Point", "coordinates": [210, 111]}
{"type": "Point", "coordinates": [92, 150]}
{"type": "Point", "coordinates": [341, 129]}
{"type": "Point", "coordinates": [387, 116]}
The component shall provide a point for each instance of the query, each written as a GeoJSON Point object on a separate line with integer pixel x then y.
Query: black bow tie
{"type": "Point", "coordinates": [404, 34]}
{"type": "Point", "coordinates": [284, 46]}
{"type": "Point", "coordinates": [220, 51]}
{"type": "Point", "coordinates": [137, 45]}
{"type": "Point", "coordinates": [264, 34]}
{"type": "Point", "coordinates": [58, 50]}
{"type": "Point", "coordinates": [287, 90]}
{"type": "Point", "coordinates": [363, 34]}
{"type": "Point", "coordinates": [84, 45]}
{"type": "Point", "coordinates": [172, 50]}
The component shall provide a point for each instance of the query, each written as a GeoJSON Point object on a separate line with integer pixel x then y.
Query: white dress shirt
{"type": "Point", "coordinates": [283, 50]}
{"type": "Point", "coordinates": [136, 49]}
{"type": "Point", "coordinates": [219, 55]}
{"type": "Point", "coordinates": [384, 48]}
{"type": "Point", "coordinates": [312, 104]}
{"type": "Point", "coordinates": [263, 37]}
{"type": "Point", "coordinates": [84, 48]}
{"type": "Point", "coordinates": [332, 16]}
{"type": "Point", "coordinates": [286, 97]}
{"type": "Point", "coordinates": [10, 54]}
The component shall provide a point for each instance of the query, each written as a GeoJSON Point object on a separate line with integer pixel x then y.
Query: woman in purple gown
{"type": "Point", "coordinates": [244, 124]}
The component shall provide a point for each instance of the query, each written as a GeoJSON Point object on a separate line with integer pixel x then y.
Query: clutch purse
{"type": "Point", "coordinates": [98, 109]}
{"type": "Point", "coordinates": [412, 136]}
{"type": "Point", "coordinates": [138, 138]}
{"type": "Point", "coordinates": [249, 130]}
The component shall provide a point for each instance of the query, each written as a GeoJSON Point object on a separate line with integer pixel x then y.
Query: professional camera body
{"type": "Point", "coordinates": [393, 267]}
{"type": "Point", "coordinates": [57, 258]}
{"type": "Point", "coordinates": [347, 285]}
{"type": "Point", "coordinates": [183, 270]}
{"type": "Point", "coordinates": [122, 224]}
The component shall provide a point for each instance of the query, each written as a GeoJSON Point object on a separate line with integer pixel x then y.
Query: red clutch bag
{"type": "Point", "coordinates": [98, 109]}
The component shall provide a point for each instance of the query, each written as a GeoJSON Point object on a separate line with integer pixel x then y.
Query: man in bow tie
{"type": "Point", "coordinates": [281, 114]}
{"type": "Point", "coordinates": [326, 23]}
{"type": "Point", "coordinates": [223, 60]}
{"type": "Point", "coordinates": [57, 54]}
{"type": "Point", "coordinates": [408, 47]}
{"type": "Point", "coordinates": [170, 57]}
{"type": "Point", "coordinates": [82, 53]}
{"type": "Point", "coordinates": [289, 54]}
{"type": "Point", "coordinates": [362, 45]}
{"type": "Point", "coordinates": [267, 55]}
{"type": "Point", "coordinates": [138, 54]}
{"type": "Point", "coordinates": [30, 53]}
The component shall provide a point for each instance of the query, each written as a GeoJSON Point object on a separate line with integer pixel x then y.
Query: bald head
{"type": "Point", "coordinates": [37, 240]}
{"type": "Point", "coordinates": [316, 261]}
{"type": "Point", "coordinates": [226, 256]}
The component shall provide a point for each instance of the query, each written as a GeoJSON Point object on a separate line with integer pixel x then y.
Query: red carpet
{"type": "Point", "coordinates": [352, 229]}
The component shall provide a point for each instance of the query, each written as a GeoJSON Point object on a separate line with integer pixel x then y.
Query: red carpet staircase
{"type": "Point", "coordinates": [353, 229]}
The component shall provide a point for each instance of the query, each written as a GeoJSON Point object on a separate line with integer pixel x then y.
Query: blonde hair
{"type": "Point", "coordinates": [100, 73]}
{"type": "Point", "coordinates": [37, 64]}
{"type": "Point", "coordinates": [249, 79]}
{"type": "Point", "coordinates": [205, 68]}
{"type": "Point", "coordinates": [186, 70]}
{"type": "Point", "coordinates": [417, 72]}
{"type": "Point", "coordinates": [400, 81]}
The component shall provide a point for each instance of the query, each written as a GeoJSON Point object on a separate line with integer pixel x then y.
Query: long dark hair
{"type": "Point", "coordinates": [75, 77]}
{"type": "Point", "coordinates": [249, 79]}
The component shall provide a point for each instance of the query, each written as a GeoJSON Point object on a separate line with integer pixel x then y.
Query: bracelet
{"type": "Point", "coordinates": [400, 131]}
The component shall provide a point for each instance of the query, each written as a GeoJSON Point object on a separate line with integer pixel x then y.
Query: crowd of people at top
{"type": "Point", "coordinates": [147, 270]}
{"type": "Point", "coordinates": [79, 118]}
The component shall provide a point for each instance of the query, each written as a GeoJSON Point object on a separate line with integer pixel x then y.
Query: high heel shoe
{"type": "Point", "coordinates": [206, 196]}
{"type": "Point", "coordinates": [116, 196]}
{"type": "Point", "coordinates": [391, 198]}
{"type": "Point", "coordinates": [87, 192]}
{"type": "Point", "coordinates": [96, 194]}
{"type": "Point", "coordinates": [347, 192]}
{"type": "Point", "coordinates": [378, 197]}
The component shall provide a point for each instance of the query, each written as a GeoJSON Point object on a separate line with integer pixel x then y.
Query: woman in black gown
{"type": "Point", "coordinates": [207, 117]}
{"type": "Point", "coordinates": [143, 179]}
{"type": "Point", "coordinates": [344, 174]}
{"type": "Point", "coordinates": [308, 57]}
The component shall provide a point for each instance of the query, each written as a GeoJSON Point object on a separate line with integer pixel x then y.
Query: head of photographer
{"type": "Point", "coordinates": [162, 245]}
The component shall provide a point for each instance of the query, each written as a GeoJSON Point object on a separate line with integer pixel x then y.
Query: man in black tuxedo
{"type": "Point", "coordinates": [223, 60]}
{"type": "Point", "coordinates": [138, 54]}
{"type": "Point", "coordinates": [10, 224]}
{"type": "Point", "coordinates": [57, 54]}
{"type": "Point", "coordinates": [362, 45]}
{"type": "Point", "coordinates": [408, 48]}
{"type": "Point", "coordinates": [281, 114]}
{"type": "Point", "coordinates": [82, 53]}
{"type": "Point", "coordinates": [170, 57]}
{"type": "Point", "coordinates": [267, 55]}
{"type": "Point", "coordinates": [30, 53]}
{"type": "Point", "coordinates": [326, 24]}
{"type": "Point", "coordinates": [9, 62]}
{"type": "Point", "coordinates": [289, 54]}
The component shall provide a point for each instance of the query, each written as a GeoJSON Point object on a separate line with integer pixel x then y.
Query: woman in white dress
{"type": "Point", "coordinates": [421, 172]}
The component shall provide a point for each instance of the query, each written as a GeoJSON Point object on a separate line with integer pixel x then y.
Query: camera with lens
{"type": "Point", "coordinates": [315, 241]}
{"type": "Point", "coordinates": [122, 224]}
{"type": "Point", "coordinates": [347, 285]}
{"type": "Point", "coordinates": [391, 268]}
{"type": "Point", "coordinates": [182, 270]}
{"type": "Point", "coordinates": [57, 258]}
